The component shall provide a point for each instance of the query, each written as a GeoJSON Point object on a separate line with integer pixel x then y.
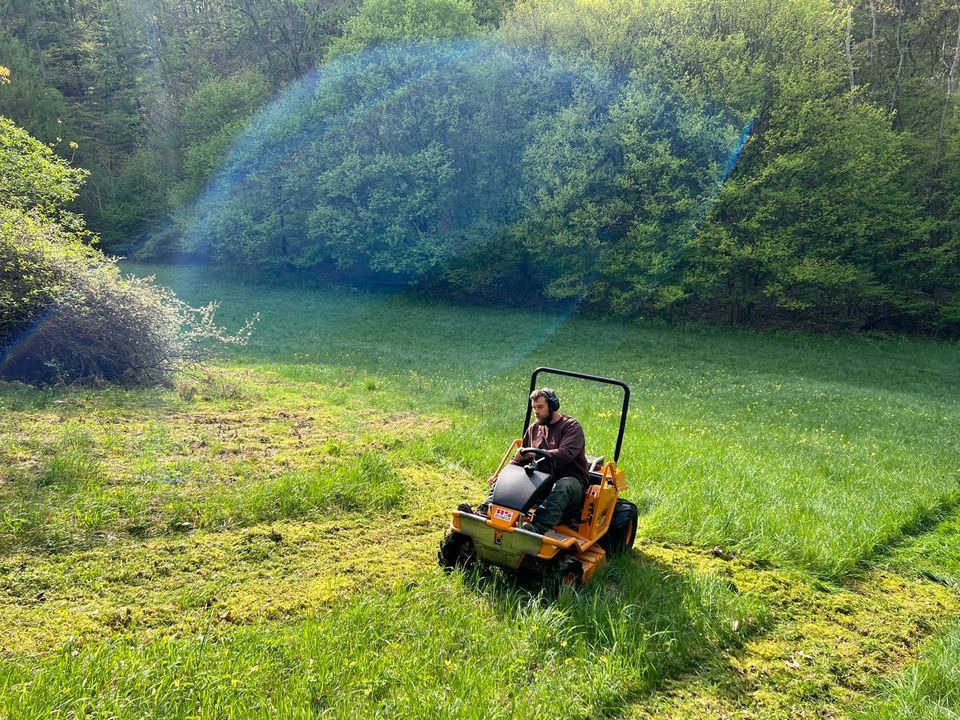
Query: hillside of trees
{"type": "Point", "coordinates": [791, 163]}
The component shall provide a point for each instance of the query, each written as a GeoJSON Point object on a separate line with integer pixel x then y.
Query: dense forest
{"type": "Point", "coordinates": [791, 163]}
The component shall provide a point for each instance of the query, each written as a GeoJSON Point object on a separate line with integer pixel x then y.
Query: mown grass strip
{"type": "Point", "coordinates": [927, 690]}
{"type": "Point", "coordinates": [446, 647]}
{"type": "Point", "coordinates": [822, 653]}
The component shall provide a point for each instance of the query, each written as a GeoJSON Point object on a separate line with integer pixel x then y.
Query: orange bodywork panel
{"type": "Point", "coordinates": [566, 538]}
{"type": "Point", "coordinates": [592, 560]}
{"type": "Point", "coordinates": [595, 518]}
{"type": "Point", "coordinates": [598, 503]}
{"type": "Point", "coordinates": [619, 478]}
{"type": "Point", "coordinates": [600, 499]}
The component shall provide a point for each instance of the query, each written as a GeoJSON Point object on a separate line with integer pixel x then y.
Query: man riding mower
{"type": "Point", "coordinates": [553, 510]}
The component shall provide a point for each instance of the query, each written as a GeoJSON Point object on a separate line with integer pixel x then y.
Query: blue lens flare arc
{"type": "Point", "coordinates": [409, 162]}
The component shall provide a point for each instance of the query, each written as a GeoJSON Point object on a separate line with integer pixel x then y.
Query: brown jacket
{"type": "Point", "coordinates": [564, 440]}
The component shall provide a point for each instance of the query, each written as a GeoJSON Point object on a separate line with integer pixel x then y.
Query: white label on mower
{"type": "Point", "coordinates": [502, 514]}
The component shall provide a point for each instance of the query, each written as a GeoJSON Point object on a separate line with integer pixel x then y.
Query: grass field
{"type": "Point", "coordinates": [259, 541]}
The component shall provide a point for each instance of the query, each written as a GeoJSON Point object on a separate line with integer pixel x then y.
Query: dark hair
{"type": "Point", "coordinates": [548, 394]}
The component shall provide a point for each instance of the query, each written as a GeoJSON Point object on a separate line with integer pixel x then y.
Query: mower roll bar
{"type": "Point", "coordinates": [583, 376]}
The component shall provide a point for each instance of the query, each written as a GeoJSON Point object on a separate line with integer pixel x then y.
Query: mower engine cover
{"type": "Point", "coordinates": [521, 487]}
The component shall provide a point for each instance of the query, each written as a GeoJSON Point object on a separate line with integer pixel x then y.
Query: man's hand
{"type": "Point", "coordinates": [491, 480]}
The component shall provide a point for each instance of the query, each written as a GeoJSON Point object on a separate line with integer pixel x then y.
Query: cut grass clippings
{"type": "Point", "coordinates": [438, 648]}
{"type": "Point", "coordinates": [928, 690]}
{"type": "Point", "coordinates": [95, 463]}
{"type": "Point", "coordinates": [824, 647]}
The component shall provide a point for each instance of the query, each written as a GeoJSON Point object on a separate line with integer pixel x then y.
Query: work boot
{"type": "Point", "coordinates": [483, 509]}
{"type": "Point", "coordinates": [465, 507]}
{"type": "Point", "coordinates": [533, 527]}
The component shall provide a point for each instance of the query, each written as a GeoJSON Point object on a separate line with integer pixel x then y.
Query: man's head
{"type": "Point", "coordinates": [545, 403]}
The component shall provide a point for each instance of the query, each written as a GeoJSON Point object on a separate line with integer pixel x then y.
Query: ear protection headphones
{"type": "Point", "coordinates": [553, 402]}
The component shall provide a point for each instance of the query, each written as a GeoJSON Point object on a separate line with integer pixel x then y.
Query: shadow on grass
{"type": "Point", "coordinates": [637, 624]}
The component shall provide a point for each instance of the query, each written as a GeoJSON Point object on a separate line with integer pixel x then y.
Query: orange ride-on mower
{"type": "Point", "coordinates": [571, 551]}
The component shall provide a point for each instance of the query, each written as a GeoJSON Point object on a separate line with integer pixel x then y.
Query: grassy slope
{"type": "Point", "coordinates": [183, 537]}
{"type": "Point", "coordinates": [803, 450]}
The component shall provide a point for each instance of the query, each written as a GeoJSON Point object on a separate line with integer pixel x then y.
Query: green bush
{"type": "Point", "coordinates": [32, 177]}
{"type": "Point", "coordinates": [66, 314]}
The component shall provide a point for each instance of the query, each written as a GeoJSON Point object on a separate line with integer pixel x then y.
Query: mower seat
{"type": "Point", "coordinates": [594, 466]}
{"type": "Point", "coordinates": [520, 490]}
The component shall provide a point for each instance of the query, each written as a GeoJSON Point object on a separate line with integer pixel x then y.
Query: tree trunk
{"type": "Point", "coordinates": [902, 53]}
{"type": "Point", "coordinates": [848, 50]}
{"type": "Point", "coordinates": [951, 90]}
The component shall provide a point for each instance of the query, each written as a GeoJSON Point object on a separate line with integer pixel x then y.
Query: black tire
{"type": "Point", "coordinates": [568, 572]}
{"type": "Point", "coordinates": [456, 551]}
{"type": "Point", "coordinates": [623, 529]}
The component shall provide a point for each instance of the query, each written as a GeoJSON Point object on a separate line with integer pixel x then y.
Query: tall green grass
{"type": "Point", "coordinates": [796, 449]}
{"type": "Point", "coordinates": [69, 499]}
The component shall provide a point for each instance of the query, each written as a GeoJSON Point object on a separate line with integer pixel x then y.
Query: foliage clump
{"type": "Point", "coordinates": [458, 167]}
{"type": "Point", "coordinates": [66, 313]}
{"type": "Point", "coordinates": [576, 156]}
{"type": "Point", "coordinates": [840, 212]}
{"type": "Point", "coordinates": [381, 21]}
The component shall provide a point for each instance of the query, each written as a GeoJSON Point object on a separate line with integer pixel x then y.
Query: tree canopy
{"type": "Point", "coordinates": [539, 151]}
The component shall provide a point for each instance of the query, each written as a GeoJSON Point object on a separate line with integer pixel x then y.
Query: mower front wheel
{"type": "Point", "coordinates": [568, 572]}
{"type": "Point", "coordinates": [456, 551]}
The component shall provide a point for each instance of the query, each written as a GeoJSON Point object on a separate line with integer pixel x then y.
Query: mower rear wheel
{"type": "Point", "coordinates": [623, 529]}
{"type": "Point", "coordinates": [456, 551]}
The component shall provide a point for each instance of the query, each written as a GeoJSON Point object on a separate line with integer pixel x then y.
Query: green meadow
{"type": "Point", "coordinates": [259, 540]}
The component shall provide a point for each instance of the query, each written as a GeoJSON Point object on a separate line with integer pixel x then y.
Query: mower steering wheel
{"type": "Point", "coordinates": [552, 463]}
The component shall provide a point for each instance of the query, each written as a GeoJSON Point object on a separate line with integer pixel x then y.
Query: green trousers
{"type": "Point", "coordinates": [567, 494]}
